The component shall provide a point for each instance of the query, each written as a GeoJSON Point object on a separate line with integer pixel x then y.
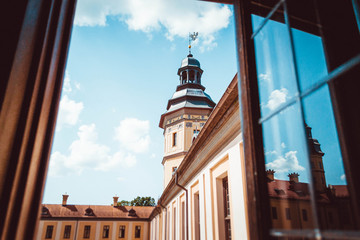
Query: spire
{"type": "Point", "coordinates": [192, 37]}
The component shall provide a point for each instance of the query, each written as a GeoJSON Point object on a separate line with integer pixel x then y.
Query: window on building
{"type": "Point", "coordinates": [122, 231]}
{"type": "Point", "coordinates": [197, 216]}
{"type": "Point", "coordinates": [87, 229]}
{"type": "Point", "coordinates": [196, 131]}
{"type": "Point", "coordinates": [67, 231]}
{"type": "Point", "coordinates": [106, 230]}
{"type": "Point", "coordinates": [304, 214]}
{"type": "Point", "coordinates": [174, 139]}
{"type": "Point", "coordinates": [137, 231]}
{"type": "Point", "coordinates": [226, 201]}
{"type": "Point", "coordinates": [182, 220]}
{"type": "Point", "coordinates": [287, 213]}
{"type": "Point", "coordinates": [174, 223]}
{"type": "Point", "coordinates": [49, 232]}
{"type": "Point", "coordinates": [274, 213]}
{"type": "Point", "coordinates": [174, 170]}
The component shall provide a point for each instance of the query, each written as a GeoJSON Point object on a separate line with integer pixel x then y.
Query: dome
{"type": "Point", "coordinates": [190, 61]}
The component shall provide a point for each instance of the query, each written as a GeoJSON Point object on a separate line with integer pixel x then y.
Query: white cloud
{"type": "Point", "coordinates": [69, 112]}
{"type": "Point", "coordinates": [283, 145]}
{"type": "Point", "coordinates": [271, 153]}
{"type": "Point", "coordinates": [276, 98]}
{"type": "Point", "coordinates": [343, 177]}
{"type": "Point", "coordinates": [86, 153]}
{"type": "Point", "coordinates": [67, 86]}
{"type": "Point", "coordinates": [133, 134]}
{"type": "Point", "coordinates": [266, 77]}
{"type": "Point", "coordinates": [177, 17]}
{"type": "Point", "coordinates": [287, 163]}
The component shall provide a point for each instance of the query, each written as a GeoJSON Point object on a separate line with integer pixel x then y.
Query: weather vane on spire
{"type": "Point", "coordinates": [192, 38]}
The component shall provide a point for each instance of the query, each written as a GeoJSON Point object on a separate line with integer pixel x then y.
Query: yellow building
{"type": "Point", "coordinates": [93, 222]}
{"type": "Point", "coordinates": [202, 169]}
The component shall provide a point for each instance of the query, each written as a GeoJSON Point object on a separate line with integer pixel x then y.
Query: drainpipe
{"type": "Point", "coordinates": [187, 205]}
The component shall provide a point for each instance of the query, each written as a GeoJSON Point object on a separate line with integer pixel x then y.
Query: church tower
{"type": "Point", "coordinates": [316, 161]}
{"type": "Point", "coordinates": [187, 111]}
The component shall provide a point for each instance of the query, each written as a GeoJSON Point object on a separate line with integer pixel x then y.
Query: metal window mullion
{"type": "Point", "coordinates": [275, 8]}
{"type": "Point", "coordinates": [297, 79]}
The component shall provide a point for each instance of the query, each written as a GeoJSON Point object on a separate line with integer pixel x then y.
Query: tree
{"type": "Point", "coordinates": [138, 201]}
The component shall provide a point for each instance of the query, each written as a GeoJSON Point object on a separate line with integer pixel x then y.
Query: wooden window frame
{"type": "Point", "coordinates": [257, 192]}
{"type": "Point", "coordinates": [37, 35]}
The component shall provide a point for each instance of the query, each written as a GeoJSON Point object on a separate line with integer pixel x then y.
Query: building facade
{"type": "Point", "coordinates": [93, 222]}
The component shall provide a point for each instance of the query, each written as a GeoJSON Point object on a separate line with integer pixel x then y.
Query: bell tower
{"type": "Point", "coordinates": [186, 113]}
{"type": "Point", "coordinates": [316, 161]}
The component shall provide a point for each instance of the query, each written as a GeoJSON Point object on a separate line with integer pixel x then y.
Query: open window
{"type": "Point", "coordinates": [298, 62]}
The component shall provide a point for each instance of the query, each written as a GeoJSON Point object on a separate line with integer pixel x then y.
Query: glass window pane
{"type": "Point", "coordinates": [332, 193]}
{"type": "Point", "coordinates": [275, 68]}
{"type": "Point", "coordinates": [287, 170]}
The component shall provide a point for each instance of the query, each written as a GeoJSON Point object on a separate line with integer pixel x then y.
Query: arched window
{"type": "Point", "coordinates": [184, 77]}
{"type": "Point", "coordinates": [192, 76]}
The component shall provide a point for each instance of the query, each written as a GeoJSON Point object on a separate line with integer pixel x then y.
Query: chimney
{"type": "Point", "coordinates": [115, 201]}
{"type": "Point", "coordinates": [270, 174]}
{"type": "Point", "coordinates": [65, 198]}
{"type": "Point", "coordinates": [294, 177]}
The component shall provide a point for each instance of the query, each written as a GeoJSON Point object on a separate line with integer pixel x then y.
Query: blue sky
{"type": "Point", "coordinates": [121, 71]}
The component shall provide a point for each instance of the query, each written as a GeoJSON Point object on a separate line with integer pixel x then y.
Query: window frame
{"type": "Point", "coordinates": [49, 232]}
{"type": "Point", "coordinates": [137, 231]}
{"type": "Point", "coordinates": [87, 231]}
{"type": "Point", "coordinates": [174, 139]}
{"type": "Point", "coordinates": [67, 232]}
{"type": "Point", "coordinates": [106, 231]}
{"type": "Point", "coordinates": [122, 229]}
{"type": "Point", "coordinates": [258, 209]}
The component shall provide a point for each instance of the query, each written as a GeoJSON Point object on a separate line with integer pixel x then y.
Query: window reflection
{"type": "Point", "coordinates": [305, 173]}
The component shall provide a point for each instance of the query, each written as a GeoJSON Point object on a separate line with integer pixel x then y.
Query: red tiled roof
{"type": "Point", "coordinates": [99, 211]}
{"type": "Point", "coordinates": [286, 189]}
{"type": "Point", "coordinates": [283, 189]}
{"type": "Point", "coordinates": [341, 191]}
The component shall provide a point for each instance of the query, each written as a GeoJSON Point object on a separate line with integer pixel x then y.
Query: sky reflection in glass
{"type": "Point", "coordinates": [283, 133]}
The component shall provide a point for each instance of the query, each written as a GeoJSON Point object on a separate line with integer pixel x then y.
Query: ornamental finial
{"type": "Point", "coordinates": [192, 38]}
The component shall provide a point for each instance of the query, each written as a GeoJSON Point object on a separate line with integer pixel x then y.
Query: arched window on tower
{"type": "Point", "coordinates": [191, 76]}
{"type": "Point", "coordinates": [184, 77]}
{"type": "Point", "coordinates": [198, 78]}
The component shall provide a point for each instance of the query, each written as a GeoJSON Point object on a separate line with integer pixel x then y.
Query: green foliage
{"type": "Point", "coordinates": [138, 201]}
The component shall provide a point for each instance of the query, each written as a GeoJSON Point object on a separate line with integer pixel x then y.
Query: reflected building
{"type": "Point", "coordinates": [290, 203]}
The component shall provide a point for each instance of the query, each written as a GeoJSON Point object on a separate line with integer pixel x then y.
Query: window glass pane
{"type": "Point", "coordinates": [287, 169]}
{"type": "Point", "coordinates": [310, 58]}
{"type": "Point", "coordinates": [333, 196]}
{"type": "Point", "coordinates": [275, 68]}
